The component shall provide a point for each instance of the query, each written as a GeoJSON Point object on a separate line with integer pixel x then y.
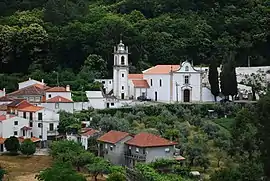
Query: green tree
{"type": "Point", "coordinates": [98, 167]}
{"type": "Point", "coordinates": [58, 148]}
{"type": "Point", "coordinates": [116, 177]}
{"type": "Point", "coordinates": [213, 78]}
{"type": "Point", "coordinates": [97, 64]}
{"type": "Point", "coordinates": [60, 172]}
{"type": "Point", "coordinates": [264, 133]}
{"type": "Point", "coordinates": [12, 144]}
{"type": "Point", "coordinates": [28, 147]}
{"type": "Point", "coordinates": [82, 159]}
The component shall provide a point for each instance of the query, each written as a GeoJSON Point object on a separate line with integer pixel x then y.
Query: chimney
{"type": "Point", "coordinates": [29, 78]}
{"type": "Point", "coordinates": [42, 81]}
{"type": "Point", "coordinates": [4, 91]}
{"type": "Point", "coordinates": [68, 88]}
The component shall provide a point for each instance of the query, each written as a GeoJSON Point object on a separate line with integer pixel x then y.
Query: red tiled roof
{"type": "Point", "coordinates": [30, 90]}
{"type": "Point", "coordinates": [16, 102]}
{"type": "Point", "coordinates": [2, 140]}
{"type": "Point", "coordinates": [162, 69]}
{"type": "Point", "coordinates": [33, 139]}
{"type": "Point", "coordinates": [5, 99]}
{"type": "Point", "coordinates": [113, 136]}
{"type": "Point", "coordinates": [59, 99]}
{"type": "Point", "coordinates": [4, 117]}
{"type": "Point", "coordinates": [149, 140]}
{"type": "Point", "coordinates": [31, 109]}
{"type": "Point", "coordinates": [56, 89]}
{"type": "Point", "coordinates": [89, 132]}
{"type": "Point", "coordinates": [140, 84]}
{"type": "Point", "coordinates": [42, 86]}
{"type": "Point", "coordinates": [135, 76]}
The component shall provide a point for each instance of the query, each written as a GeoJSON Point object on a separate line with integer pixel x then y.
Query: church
{"type": "Point", "coordinates": [161, 83]}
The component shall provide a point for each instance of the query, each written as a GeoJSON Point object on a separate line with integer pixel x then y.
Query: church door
{"type": "Point", "coordinates": [186, 95]}
{"type": "Point", "coordinates": [155, 96]}
{"type": "Point", "coordinates": [122, 95]}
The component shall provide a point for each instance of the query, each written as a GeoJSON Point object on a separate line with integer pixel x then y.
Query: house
{"type": "Point", "coordinates": [162, 83]}
{"type": "Point", "coordinates": [59, 103]}
{"type": "Point", "coordinates": [11, 125]}
{"type": "Point", "coordinates": [16, 104]}
{"type": "Point", "coordinates": [5, 100]}
{"type": "Point", "coordinates": [59, 91]}
{"type": "Point", "coordinates": [112, 147]}
{"type": "Point", "coordinates": [30, 82]}
{"type": "Point", "coordinates": [83, 136]}
{"type": "Point", "coordinates": [146, 147]}
{"type": "Point", "coordinates": [43, 121]}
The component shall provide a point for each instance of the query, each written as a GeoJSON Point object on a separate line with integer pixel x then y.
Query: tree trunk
{"type": "Point", "coordinates": [215, 98]}
{"type": "Point", "coordinates": [96, 177]}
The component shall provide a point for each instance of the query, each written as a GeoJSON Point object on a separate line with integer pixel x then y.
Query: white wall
{"type": "Point", "coordinates": [107, 83]}
{"type": "Point", "coordinates": [119, 82]}
{"type": "Point", "coordinates": [163, 91]}
{"type": "Point", "coordinates": [7, 127]}
{"type": "Point", "coordinates": [66, 95]}
{"type": "Point", "coordinates": [48, 116]}
{"type": "Point", "coordinates": [64, 106]}
{"type": "Point", "coordinates": [207, 96]}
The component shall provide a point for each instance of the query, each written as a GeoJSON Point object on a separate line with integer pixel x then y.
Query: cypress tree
{"type": "Point", "coordinates": [225, 79]}
{"type": "Point", "coordinates": [213, 78]}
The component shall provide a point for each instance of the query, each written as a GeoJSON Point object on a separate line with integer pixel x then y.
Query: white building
{"type": "Point", "coordinates": [30, 82]}
{"type": "Point", "coordinates": [39, 116]}
{"type": "Point", "coordinates": [59, 103]}
{"type": "Point", "coordinates": [163, 83]}
{"type": "Point", "coordinates": [2, 92]}
{"type": "Point", "coordinates": [11, 125]}
{"type": "Point", "coordinates": [58, 91]}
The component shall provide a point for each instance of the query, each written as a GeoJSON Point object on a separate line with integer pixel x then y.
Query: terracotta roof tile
{"type": "Point", "coordinates": [59, 99]}
{"type": "Point", "coordinates": [140, 84]}
{"type": "Point", "coordinates": [42, 86]}
{"type": "Point", "coordinates": [5, 99]}
{"type": "Point", "coordinates": [149, 140]}
{"type": "Point", "coordinates": [89, 132]}
{"type": "Point", "coordinates": [16, 102]}
{"type": "Point", "coordinates": [56, 89]}
{"type": "Point", "coordinates": [3, 107]}
{"type": "Point", "coordinates": [4, 117]}
{"type": "Point", "coordinates": [2, 140]}
{"type": "Point", "coordinates": [161, 69]}
{"type": "Point", "coordinates": [30, 90]}
{"type": "Point", "coordinates": [113, 136]}
{"type": "Point", "coordinates": [135, 76]}
{"type": "Point", "coordinates": [33, 139]}
{"type": "Point", "coordinates": [31, 109]}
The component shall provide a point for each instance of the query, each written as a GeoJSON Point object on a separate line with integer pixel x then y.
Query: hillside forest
{"type": "Point", "coordinates": [74, 39]}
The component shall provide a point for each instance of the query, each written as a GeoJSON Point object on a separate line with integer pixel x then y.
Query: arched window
{"type": "Point", "coordinates": [122, 60]}
{"type": "Point", "coordinates": [186, 68]}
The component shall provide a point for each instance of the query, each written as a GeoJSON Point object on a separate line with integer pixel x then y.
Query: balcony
{"type": "Point", "coordinates": [136, 156]}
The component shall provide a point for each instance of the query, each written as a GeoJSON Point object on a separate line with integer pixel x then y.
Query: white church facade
{"type": "Point", "coordinates": [161, 83]}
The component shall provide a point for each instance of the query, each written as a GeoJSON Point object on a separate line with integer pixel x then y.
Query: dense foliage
{"type": "Point", "coordinates": [12, 144]}
{"type": "Point", "coordinates": [28, 147]}
{"type": "Point", "coordinates": [76, 37]}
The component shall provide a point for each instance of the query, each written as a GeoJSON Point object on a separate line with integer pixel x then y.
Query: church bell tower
{"type": "Point", "coordinates": [120, 71]}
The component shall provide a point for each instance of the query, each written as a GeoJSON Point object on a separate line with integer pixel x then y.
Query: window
{"type": "Point", "coordinates": [122, 60]}
{"type": "Point", "coordinates": [186, 68]}
{"type": "Point", "coordinates": [15, 133]}
{"type": "Point", "coordinates": [137, 150]}
{"type": "Point", "coordinates": [30, 124]}
{"type": "Point", "coordinates": [122, 87]}
{"type": "Point", "coordinates": [167, 150]}
{"type": "Point", "coordinates": [40, 136]}
{"type": "Point", "coordinates": [106, 146]}
{"type": "Point", "coordinates": [23, 132]}
{"type": "Point", "coordinates": [56, 105]}
{"type": "Point", "coordinates": [110, 82]}
{"type": "Point", "coordinates": [24, 114]}
{"type": "Point", "coordinates": [103, 82]}
{"type": "Point", "coordinates": [151, 82]}
{"type": "Point", "coordinates": [31, 134]}
{"type": "Point", "coordinates": [39, 116]}
{"type": "Point", "coordinates": [111, 148]}
{"type": "Point", "coordinates": [39, 125]}
{"type": "Point", "coordinates": [112, 104]}
{"type": "Point", "coordinates": [51, 127]}
{"type": "Point", "coordinates": [15, 122]}
{"type": "Point", "coordinates": [143, 151]}
{"type": "Point", "coordinates": [186, 79]}
{"type": "Point", "coordinates": [31, 99]}
{"type": "Point", "coordinates": [160, 82]}
{"type": "Point", "coordinates": [37, 99]}
{"type": "Point", "coordinates": [123, 75]}
{"type": "Point", "coordinates": [31, 116]}
{"type": "Point", "coordinates": [49, 95]}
